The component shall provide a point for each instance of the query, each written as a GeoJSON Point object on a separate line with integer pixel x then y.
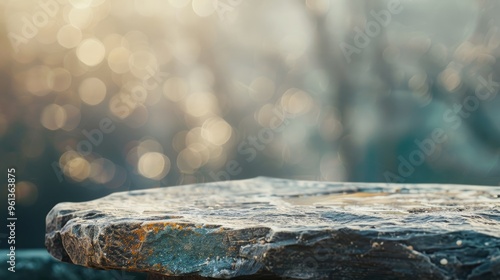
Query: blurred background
{"type": "Point", "coordinates": [100, 96]}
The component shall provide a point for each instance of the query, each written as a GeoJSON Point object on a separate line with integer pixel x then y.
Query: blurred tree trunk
{"type": "Point", "coordinates": [331, 59]}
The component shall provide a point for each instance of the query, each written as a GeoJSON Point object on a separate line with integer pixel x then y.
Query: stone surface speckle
{"type": "Point", "coordinates": [283, 228]}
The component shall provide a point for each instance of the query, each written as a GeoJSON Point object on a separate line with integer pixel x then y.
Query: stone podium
{"type": "Point", "coordinates": [266, 228]}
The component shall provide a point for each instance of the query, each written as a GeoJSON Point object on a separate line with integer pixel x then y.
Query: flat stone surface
{"type": "Point", "coordinates": [276, 228]}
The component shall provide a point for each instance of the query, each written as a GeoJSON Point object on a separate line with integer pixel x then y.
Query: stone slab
{"type": "Point", "coordinates": [276, 228]}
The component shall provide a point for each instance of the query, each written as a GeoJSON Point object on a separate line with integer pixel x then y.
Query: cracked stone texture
{"type": "Point", "coordinates": [266, 228]}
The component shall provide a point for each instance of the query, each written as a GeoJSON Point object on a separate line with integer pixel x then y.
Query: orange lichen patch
{"type": "Point", "coordinates": [134, 241]}
{"type": "Point", "coordinates": [221, 229]}
{"type": "Point", "coordinates": [130, 243]}
{"type": "Point", "coordinates": [158, 226]}
{"type": "Point", "coordinates": [177, 226]}
{"type": "Point", "coordinates": [154, 227]}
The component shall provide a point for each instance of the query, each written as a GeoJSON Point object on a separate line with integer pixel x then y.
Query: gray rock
{"type": "Point", "coordinates": [272, 228]}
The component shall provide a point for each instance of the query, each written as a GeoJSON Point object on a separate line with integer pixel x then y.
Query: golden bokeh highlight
{"type": "Point", "coordinates": [149, 145]}
{"type": "Point", "coordinates": [69, 36]}
{"type": "Point", "coordinates": [91, 52]}
{"type": "Point", "coordinates": [189, 160]}
{"type": "Point", "coordinates": [203, 151]}
{"type": "Point", "coordinates": [296, 101]}
{"type": "Point", "coordinates": [148, 158]}
{"type": "Point", "coordinates": [153, 165]}
{"type": "Point", "coordinates": [194, 136]}
{"type": "Point", "coordinates": [118, 60]}
{"type": "Point", "coordinates": [216, 131]}
{"type": "Point", "coordinates": [92, 91]}
{"type": "Point", "coordinates": [78, 169]}
{"type": "Point", "coordinates": [201, 104]}
{"type": "Point", "coordinates": [102, 170]}
{"type": "Point", "coordinates": [80, 17]}
{"type": "Point", "coordinates": [26, 193]}
{"type": "Point", "coordinates": [53, 117]}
